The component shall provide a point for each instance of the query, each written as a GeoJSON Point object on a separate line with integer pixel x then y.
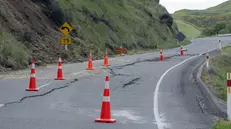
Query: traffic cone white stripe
{"type": "Point", "coordinates": [33, 66]}
{"type": "Point", "coordinates": [32, 75]}
{"type": "Point", "coordinates": [60, 60]}
{"type": "Point", "coordinates": [107, 85]}
{"type": "Point", "coordinates": [106, 99]}
{"type": "Point", "coordinates": [59, 67]}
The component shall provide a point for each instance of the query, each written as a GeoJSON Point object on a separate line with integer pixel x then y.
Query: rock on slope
{"type": "Point", "coordinates": [29, 28]}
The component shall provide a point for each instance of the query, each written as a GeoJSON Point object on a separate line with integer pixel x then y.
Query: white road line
{"type": "Point", "coordinates": [79, 72]}
{"type": "Point", "coordinates": [1, 105]}
{"type": "Point", "coordinates": [155, 104]}
{"type": "Point", "coordinates": [44, 85]}
{"type": "Point", "coordinates": [155, 109]}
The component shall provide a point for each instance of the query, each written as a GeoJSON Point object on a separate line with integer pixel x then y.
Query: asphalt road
{"type": "Point", "coordinates": [145, 93]}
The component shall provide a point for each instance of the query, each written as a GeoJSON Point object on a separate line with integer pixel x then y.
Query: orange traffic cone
{"type": "Point", "coordinates": [106, 59]}
{"type": "Point", "coordinates": [90, 64]}
{"type": "Point", "coordinates": [60, 70]}
{"type": "Point", "coordinates": [32, 85]}
{"type": "Point", "coordinates": [161, 55]}
{"type": "Point", "coordinates": [105, 115]}
{"type": "Point", "coordinates": [181, 51]}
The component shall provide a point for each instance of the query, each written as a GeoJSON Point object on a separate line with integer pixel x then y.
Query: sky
{"type": "Point", "coordinates": [174, 5]}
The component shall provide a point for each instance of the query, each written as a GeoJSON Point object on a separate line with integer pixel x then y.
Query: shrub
{"type": "Point", "coordinates": [13, 54]}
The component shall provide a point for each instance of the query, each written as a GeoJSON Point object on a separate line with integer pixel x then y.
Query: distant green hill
{"type": "Point", "coordinates": [189, 30]}
{"type": "Point", "coordinates": [207, 17]}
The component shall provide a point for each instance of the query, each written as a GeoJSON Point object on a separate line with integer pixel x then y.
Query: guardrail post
{"type": "Point", "coordinates": [220, 45]}
{"type": "Point", "coordinates": [207, 61]}
{"type": "Point", "coordinates": [229, 95]}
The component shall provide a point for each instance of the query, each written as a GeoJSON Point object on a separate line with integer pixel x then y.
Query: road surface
{"type": "Point", "coordinates": [145, 93]}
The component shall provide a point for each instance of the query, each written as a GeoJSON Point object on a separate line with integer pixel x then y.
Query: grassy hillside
{"type": "Point", "coordinates": [32, 26]}
{"type": "Point", "coordinates": [207, 17]}
{"type": "Point", "coordinates": [189, 30]}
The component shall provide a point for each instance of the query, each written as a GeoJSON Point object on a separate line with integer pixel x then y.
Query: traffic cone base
{"type": "Point", "coordinates": [105, 120]}
{"type": "Point", "coordinates": [105, 65]}
{"type": "Point", "coordinates": [32, 89]}
{"type": "Point", "coordinates": [89, 68]}
{"type": "Point", "coordinates": [59, 79]}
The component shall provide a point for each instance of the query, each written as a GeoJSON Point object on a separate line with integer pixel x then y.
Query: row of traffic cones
{"type": "Point", "coordinates": [32, 83]}
{"type": "Point", "coordinates": [105, 115]}
{"type": "Point", "coordinates": [90, 63]}
{"type": "Point", "coordinates": [162, 57]}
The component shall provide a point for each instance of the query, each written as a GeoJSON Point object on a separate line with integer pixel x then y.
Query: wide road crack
{"type": "Point", "coordinates": [114, 74]}
{"type": "Point", "coordinates": [43, 94]}
{"type": "Point", "coordinates": [131, 82]}
{"type": "Point", "coordinates": [150, 60]}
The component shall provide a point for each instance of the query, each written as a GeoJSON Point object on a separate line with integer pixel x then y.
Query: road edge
{"type": "Point", "coordinates": [157, 117]}
{"type": "Point", "coordinates": [220, 104]}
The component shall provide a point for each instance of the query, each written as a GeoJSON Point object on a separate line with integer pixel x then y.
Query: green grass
{"type": "Point", "coordinates": [128, 23]}
{"type": "Point", "coordinates": [133, 24]}
{"type": "Point", "coordinates": [222, 125]}
{"type": "Point", "coordinates": [216, 77]}
{"type": "Point", "coordinates": [200, 18]}
{"type": "Point", "coordinates": [189, 30]}
{"type": "Point", "coordinates": [14, 54]}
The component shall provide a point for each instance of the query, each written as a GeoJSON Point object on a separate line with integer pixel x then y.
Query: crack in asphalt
{"type": "Point", "coordinates": [39, 95]}
{"type": "Point", "coordinates": [201, 104]}
{"type": "Point", "coordinates": [150, 60]}
{"type": "Point", "coordinates": [131, 82]}
{"type": "Point", "coordinates": [113, 73]}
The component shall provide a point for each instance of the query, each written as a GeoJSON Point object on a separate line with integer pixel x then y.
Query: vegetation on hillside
{"type": "Point", "coordinates": [189, 30]}
{"type": "Point", "coordinates": [222, 125]}
{"type": "Point", "coordinates": [32, 26]}
{"type": "Point", "coordinates": [219, 66]}
{"type": "Point", "coordinates": [218, 28]}
{"type": "Point", "coordinates": [208, 17]}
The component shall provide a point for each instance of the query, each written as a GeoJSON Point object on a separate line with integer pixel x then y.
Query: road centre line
{"type": "Point", "coordinates": [44, 85]}
{"type": "Point", "coordinates": [155, 104]}
{"type": "Point", "coordinates": [79, 72]}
